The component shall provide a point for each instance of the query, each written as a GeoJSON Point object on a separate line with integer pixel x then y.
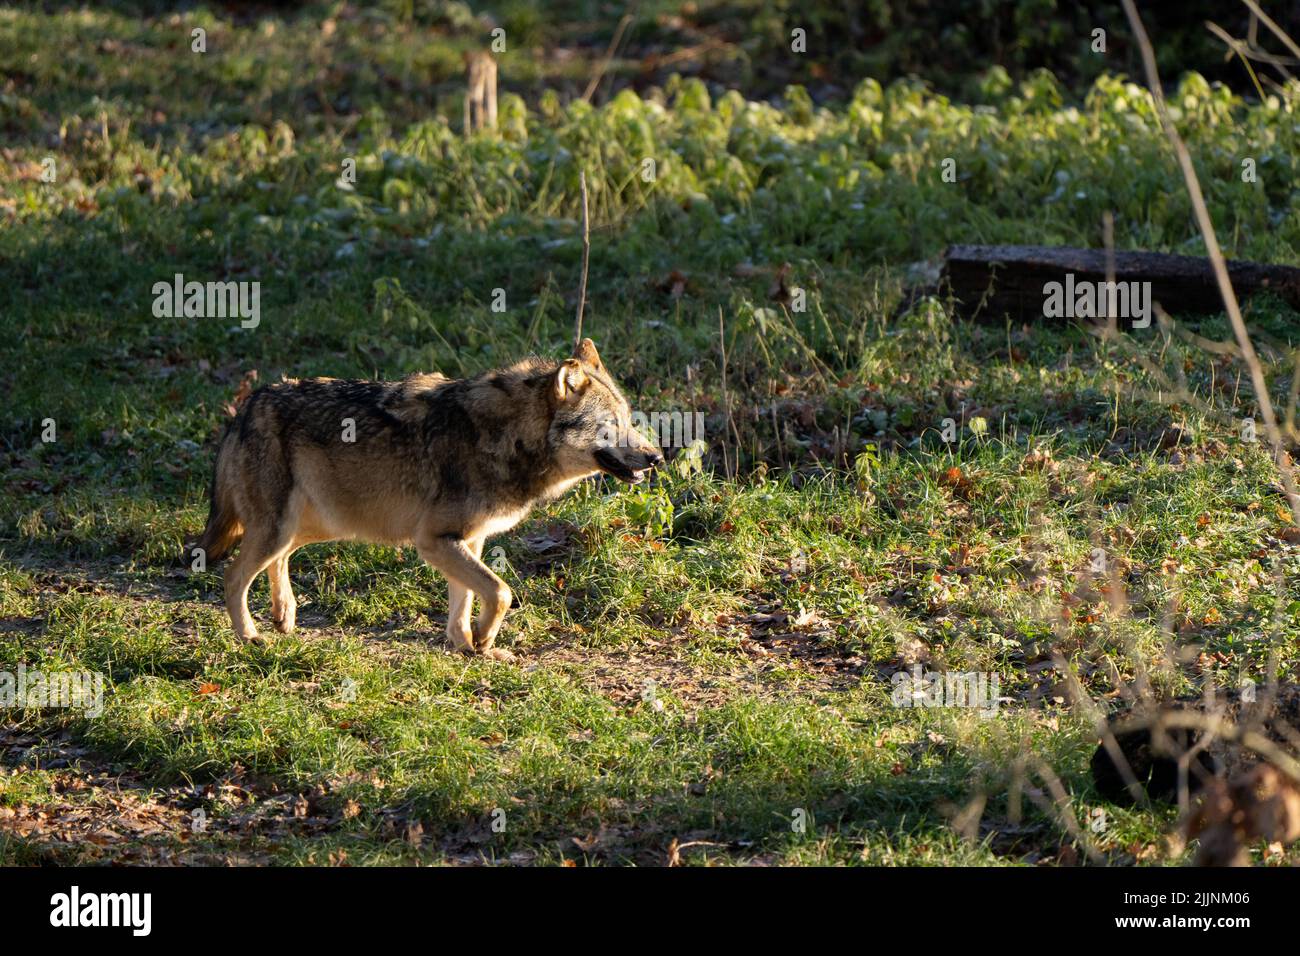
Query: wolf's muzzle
{"type": "Point", "coordinates": [632, 467]}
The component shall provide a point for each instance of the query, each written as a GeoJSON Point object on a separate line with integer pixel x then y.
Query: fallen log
{"type": "Point", "coordinates": [1036, 283]}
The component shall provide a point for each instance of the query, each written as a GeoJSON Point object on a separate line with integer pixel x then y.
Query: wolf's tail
{"type": "Point", "coordinates": [224, 529]}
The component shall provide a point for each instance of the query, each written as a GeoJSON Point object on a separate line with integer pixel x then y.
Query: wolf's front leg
{"type": "Point", "coordinates": [284, 606]}
{"type": "Point", "coordinates": [467, 575]}
{"type": "Point", "coordinates": [460, 604]}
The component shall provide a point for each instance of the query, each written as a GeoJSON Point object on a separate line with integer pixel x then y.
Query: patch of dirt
{"type": "Point", "coordinates": [96, 815]}
{"type": "Point", "coordinates": [805, 636]}
{"type": "Point", "coordinates": [637, 676]}
{"type": "Point", "coordinates": [777, 652]}
{"type": "Point", "coordinates": [106, 580]}
{"type": "Point", "coordinates": [101, 813]}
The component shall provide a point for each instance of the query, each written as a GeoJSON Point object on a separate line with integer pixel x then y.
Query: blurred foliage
{"type": "Point", "coordinates": [952, 43]}
{"type": "Point", "coordinates": [747, 44]}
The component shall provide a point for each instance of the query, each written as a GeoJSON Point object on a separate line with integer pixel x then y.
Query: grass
{"type": "Point", "coordinates": [707, 662]}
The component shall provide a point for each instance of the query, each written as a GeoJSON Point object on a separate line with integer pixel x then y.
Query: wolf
{"type": "Point", "coordinates": [439, 463]}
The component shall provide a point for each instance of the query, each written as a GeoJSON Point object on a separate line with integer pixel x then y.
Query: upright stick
{"type": "Point", "coordinates": [586, 253]}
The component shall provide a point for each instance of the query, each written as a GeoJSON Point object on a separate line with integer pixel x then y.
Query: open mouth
{"type": "Point", "coordinates": [611, 464]}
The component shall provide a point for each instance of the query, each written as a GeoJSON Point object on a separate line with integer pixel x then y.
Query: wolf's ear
{"type": "Point", "coordinates": [585, 352]}
{"type": "Point", "coordinates": [570, 380]}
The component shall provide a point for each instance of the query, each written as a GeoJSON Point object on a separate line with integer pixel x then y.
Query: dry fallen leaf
{"type": "Point", "coordinates": [241, 394]}
{"type": "Point", "coordinates": [1264, 804]}
{"type": "Point", "coordinates": [415, 834]}
{"type": "Point", "coordinates": [955, 479]}
{"type": "Point", "coordinates": [1040, 461]}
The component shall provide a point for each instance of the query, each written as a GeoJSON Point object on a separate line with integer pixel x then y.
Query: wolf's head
{"type": "Point", "coordinates": [592, 428]}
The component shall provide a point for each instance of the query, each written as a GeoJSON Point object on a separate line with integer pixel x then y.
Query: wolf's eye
{"type": "Point", "coordinates": [607, 432]}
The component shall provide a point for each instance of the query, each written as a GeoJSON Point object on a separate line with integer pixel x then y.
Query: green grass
{"type": "Point", "coordinates": [657, 703]}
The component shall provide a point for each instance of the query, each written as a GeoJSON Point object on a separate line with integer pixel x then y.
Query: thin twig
{"type": "Point", "coordinates": [609, 54]}
{"type": "Point", "coordinates": [1268, 22]}
{"type": "Point", "coordinates": [726, 404]}
{"type": "Point", "coordinates": [776, 430]}
{"type": "Point", "coordinates": [1108, 239]}
{"type": "Point", "coordinates": [1219, 725]}
{"type": "Point", "coordinates": [726, 400]}
{"type": "Point", "coordinates": [1236, 46]}
{"type": "Point", "coordinates": [1258, 381]}
{"type": "Point", "coordinates": [1244, 49]}
{"type": "Point", "coordinates": [1060, 805]}
{"type": "Point", "coordinates": [586, 253]}
{"type": "Point", "coordinates": [690, 52]}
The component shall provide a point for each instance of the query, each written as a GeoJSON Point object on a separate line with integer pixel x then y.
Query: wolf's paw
{"type": "Point", "coordinates": [284, 624]}
{"type": "Point", "coordinates": [476, 634]}
{"type": "Point", "coordinates": [461, 644]}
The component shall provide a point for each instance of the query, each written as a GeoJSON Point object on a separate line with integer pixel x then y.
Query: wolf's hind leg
{"type": "Point", "coordinates": [256, 553]}
{"type": "Point", "coordinates": [284, 606]}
